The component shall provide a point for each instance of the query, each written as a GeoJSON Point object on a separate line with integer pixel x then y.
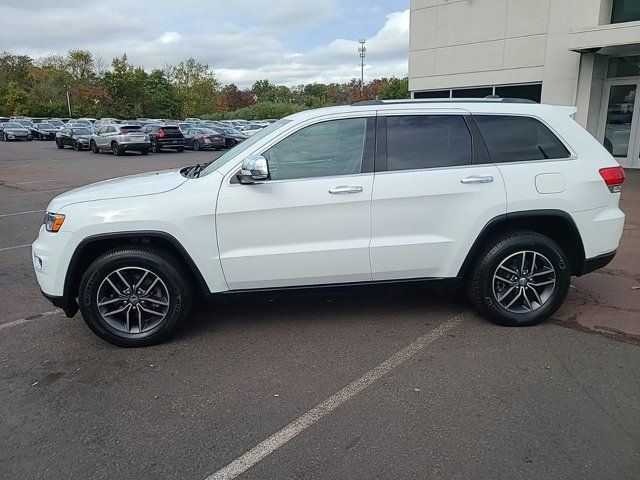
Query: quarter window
{"type": "Point", "coordinates": [427, 141]}
{"type": "Point", "coordinates": [519, 139]}
{"type": "Point", "coordinates": [330, 148]}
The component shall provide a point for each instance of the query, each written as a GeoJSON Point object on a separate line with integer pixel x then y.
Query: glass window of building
{"type": "Point", "coordinates": [625, 11]}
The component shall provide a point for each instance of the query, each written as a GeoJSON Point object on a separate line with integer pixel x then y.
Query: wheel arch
{"type": "Point", "coordinates": [92, 247]}
{"type": "Point", "coordinates": [558, 225]}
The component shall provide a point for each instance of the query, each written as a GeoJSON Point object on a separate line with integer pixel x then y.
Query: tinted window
{"type": "Point", "coordinates": [518, 139]}
{"type": "Point", "coordinates": [130, 128]}
{"type": "Point", "coordinates": [472, 92]}
{"type": "Point", "coordinates": [625, 11]}
{"type": "Point", "coordinates": [427, 141]}
{"type": "Point", "coordinates": [433, 94]}
{"type": "Point", "coordinates": [527, 92]}
{"type": "Point", "coordinates": [325, 149]}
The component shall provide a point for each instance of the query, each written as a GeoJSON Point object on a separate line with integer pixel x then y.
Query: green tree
{"type": "Point", "coordinates": [16, 99]}
{"type": "Point", "coordinates": [394, 88]}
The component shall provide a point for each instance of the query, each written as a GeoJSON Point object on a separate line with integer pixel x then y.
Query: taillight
{"type": "Point", "coordinates": [161, 133]}
{"type": "Point", "coordinates": [613, 177]}
{"type": "Point", "coordinates": [123, 132]}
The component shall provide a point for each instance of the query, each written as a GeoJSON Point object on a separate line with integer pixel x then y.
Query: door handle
{"type": "Point", "coordinates": [346, 189]}
{"type": "Point", "coordinates": [477, 179]}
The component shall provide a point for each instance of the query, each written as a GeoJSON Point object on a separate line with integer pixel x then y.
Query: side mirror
{"type": "Point", "coordinates": [254, 169]}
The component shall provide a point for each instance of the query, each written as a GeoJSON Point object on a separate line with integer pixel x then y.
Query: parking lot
{"type": "Point", "coordinates": [369, 382]}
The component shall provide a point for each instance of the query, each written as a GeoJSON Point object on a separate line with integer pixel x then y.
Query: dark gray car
{"type": "Point", "coordinates": [200, 138]}
{"type": "Point", "coordinates": [14, 131]}
{"type": "Point", "coordinates": [78, 138]}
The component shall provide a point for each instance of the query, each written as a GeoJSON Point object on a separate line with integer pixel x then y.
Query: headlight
{"type": "Point", "coordinates": [83, 140]}
{"type": "Point", "coordinates": [53, 221]}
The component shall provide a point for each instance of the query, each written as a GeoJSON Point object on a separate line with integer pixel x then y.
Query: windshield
{"type": "Point", "coordinates": [81, 131]}
{"type": "Point", "coordinates": [56, 123]}
{"type": "Point", "coordinates": [46, 126]}
{"type": "Point", "coordinates": [241, 147]}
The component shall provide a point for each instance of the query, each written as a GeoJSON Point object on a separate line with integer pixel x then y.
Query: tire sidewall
{"type": "Point", "coordinates": [482, 281]}
{"type": "Point", "coordinates": [179, 296]}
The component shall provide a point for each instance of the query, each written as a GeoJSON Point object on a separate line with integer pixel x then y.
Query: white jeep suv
{"type": "Point", "coordinates": [512, 197]}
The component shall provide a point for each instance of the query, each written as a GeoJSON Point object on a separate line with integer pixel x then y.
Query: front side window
{"type": "Point", "coordinates": [427, 141]}
{"type": "Point", "coordinates": [519, 139]}
{"type": "Point", "coordinates": [330, 148]}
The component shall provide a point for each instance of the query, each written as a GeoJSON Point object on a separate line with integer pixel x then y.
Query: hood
{"type": "Point", "coordinates": [132, 186]}
{"type": "Point", "coordinates": [86, 137]}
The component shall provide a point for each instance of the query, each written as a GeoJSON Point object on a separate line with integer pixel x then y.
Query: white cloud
{"type": "Point", "coordinates": [239, 49]}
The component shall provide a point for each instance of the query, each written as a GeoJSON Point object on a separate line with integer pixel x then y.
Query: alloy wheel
{"type": "Point", "coordinates": [133, 300]}
{"type": "Point", "coordinates": [524, 282]}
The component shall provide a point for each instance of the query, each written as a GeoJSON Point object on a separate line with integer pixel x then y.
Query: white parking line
{"type": "Point", "coordinates": [20, 213]}
{"type": "Point", "coordinates": [34, 181]}
{"type": "Point", "coordinates": [35, 193]}
{"type": "Point", "coordinates": [29, 319]}
{"type": "Point", "coordinates": [278, 439]}
{"type": "Point", "coordinates": [4, 249]}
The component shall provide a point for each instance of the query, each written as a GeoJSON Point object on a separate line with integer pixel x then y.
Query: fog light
{"type": "Point", "coordinates": [37, 263]}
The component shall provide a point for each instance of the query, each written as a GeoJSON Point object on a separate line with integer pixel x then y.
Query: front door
{"type": "Point", "coordinates": [310, 222]}
{"type": "Point", "coordinates": [619, 131]}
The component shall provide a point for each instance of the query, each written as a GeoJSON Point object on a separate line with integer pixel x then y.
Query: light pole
{"type": "Point", "coordinates": [68, 100]}
{"type": "Point", "coordinates": [362, 50]}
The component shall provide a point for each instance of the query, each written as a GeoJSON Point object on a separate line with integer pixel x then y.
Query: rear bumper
{"type": "Point", "coordinates": [135, 146]}
{"type": "Point", "coordinates": [175, 143]}
{"type": "Point", "coordinates": [595, 263]}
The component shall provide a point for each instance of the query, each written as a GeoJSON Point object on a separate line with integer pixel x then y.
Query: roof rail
{"type": "Point", "coordinates": [491, 99]}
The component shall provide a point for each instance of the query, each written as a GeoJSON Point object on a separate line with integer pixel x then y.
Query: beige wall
{"type": "Point", "coordinates": [470, 43]}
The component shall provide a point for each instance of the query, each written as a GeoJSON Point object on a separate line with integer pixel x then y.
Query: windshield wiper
{"type": "Point", "coordinates": [194, 171]}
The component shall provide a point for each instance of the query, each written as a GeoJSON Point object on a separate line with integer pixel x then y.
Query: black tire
{"type": "Point", "coordinates": [159, 263]}
{"type": "Point", "coordinates": [230, 143]}
{"type": "Point", "coordinates": [144, 151]}
{"type": "Point", "coordinates": [40, 136]}
{"type": "Point", "coordinates": [155, 146]}
{"type": "Point", "coordinates": [485, 290]}
{"type": "Point", "coordinates": [59, 144]}
{"type": "Point", "coordinates": [196, 145]}
{"type": "Point", "coordinates": [76, 146]}
{"type": "Point", "coordinates": [94, 148]}
{"type": "Point", "coordinates": [115, 149]}
{"type": "Point", "coordinates": [4, 137]}
{"type": "Point", "coordinates": [180, 149]}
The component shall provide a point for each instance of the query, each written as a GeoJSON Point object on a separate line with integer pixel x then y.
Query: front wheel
{"type": "Point", "coordinates": [196, 145]}
{"type": "Point", "coordinates": [180, 149]}
{"type": "Point", "coordinates": [134, 296]}
{"type": "Point", "coordinates": [94, 147]}
{"type": "Point", "coordinates": [520, 279]}
{"type": "Point", "coordinates": [76, 146]}
{"type": "Point", "coordinates": [59, 144]}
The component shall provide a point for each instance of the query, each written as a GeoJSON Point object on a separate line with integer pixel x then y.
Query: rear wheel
{"type": "Point", "coordinates": [180, 149]}
{"type": "Point", "coordinates": [144, 151]}
{"type": "Point", "coordinates": [196, 145]}
{"type": "Point", "coordinates": [520, 279]}
{"type": "Point", "coordinates": [134, 296]}
{"type": "Point", "coordinates": [115, 149]}
{"type": "Point", "coordinates": [155, 146]}
{"type": "Point", "coordinates": [230, 142]}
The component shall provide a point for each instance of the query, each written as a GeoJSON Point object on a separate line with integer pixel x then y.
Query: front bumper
{"type": "Point", "coordinates": [68, 305]}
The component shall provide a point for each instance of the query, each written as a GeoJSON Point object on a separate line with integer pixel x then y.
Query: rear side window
{"type": "Point", "coordinates": [427, 141]}
{"type": "Point", "coordinates": [519, 139]}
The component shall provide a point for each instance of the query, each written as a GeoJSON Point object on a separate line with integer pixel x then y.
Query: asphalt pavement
{"type": "Point", "coordinates": [370, 382]}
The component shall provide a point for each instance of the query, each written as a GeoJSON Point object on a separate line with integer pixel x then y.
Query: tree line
{"type": "Point", "coordinates": [39, 87]}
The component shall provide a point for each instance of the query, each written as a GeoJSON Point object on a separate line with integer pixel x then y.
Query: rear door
{"type": "Point", "coordinates": [433, 193]}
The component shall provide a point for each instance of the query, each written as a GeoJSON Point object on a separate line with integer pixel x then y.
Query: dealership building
{"type": "Point", "coordinates": [564, 52]}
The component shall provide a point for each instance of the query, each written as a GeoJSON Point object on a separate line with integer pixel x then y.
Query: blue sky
{"type": "Point", "coordinates": [287, 41]}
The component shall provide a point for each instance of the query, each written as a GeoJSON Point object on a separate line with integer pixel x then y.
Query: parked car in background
{"type": "Point", "coordinates": [119, 139]}
{"type": "Point", "coordinates": [25, 122]}
{"type": "Point", "coordinates": [14, 131]}
{"type": "Point", "coordinates": [4, 119]}
{"type": "Point", "coordinates": [85, 119]}
{"type": "Point", "coordinates": [44, 131]}
{"type": "Point", "coordinates": [164, 136]}
{"type": "Point", "coordinates": [270, 120]}
{"type": "Point", "coordinates": [78, 138]}
{"type": "Point", "coordinates": [251, 129]}
{"type": "Point", "coordinates": [201, 138]}
{"type": "Point", "coordinates": [192, 119]}
{"type": "Point", "coordinates": [185, 125]}
{"type": "Point", "coordinates": [59, 124]}
{"type": "Point", "coordinates": [231, 136]}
